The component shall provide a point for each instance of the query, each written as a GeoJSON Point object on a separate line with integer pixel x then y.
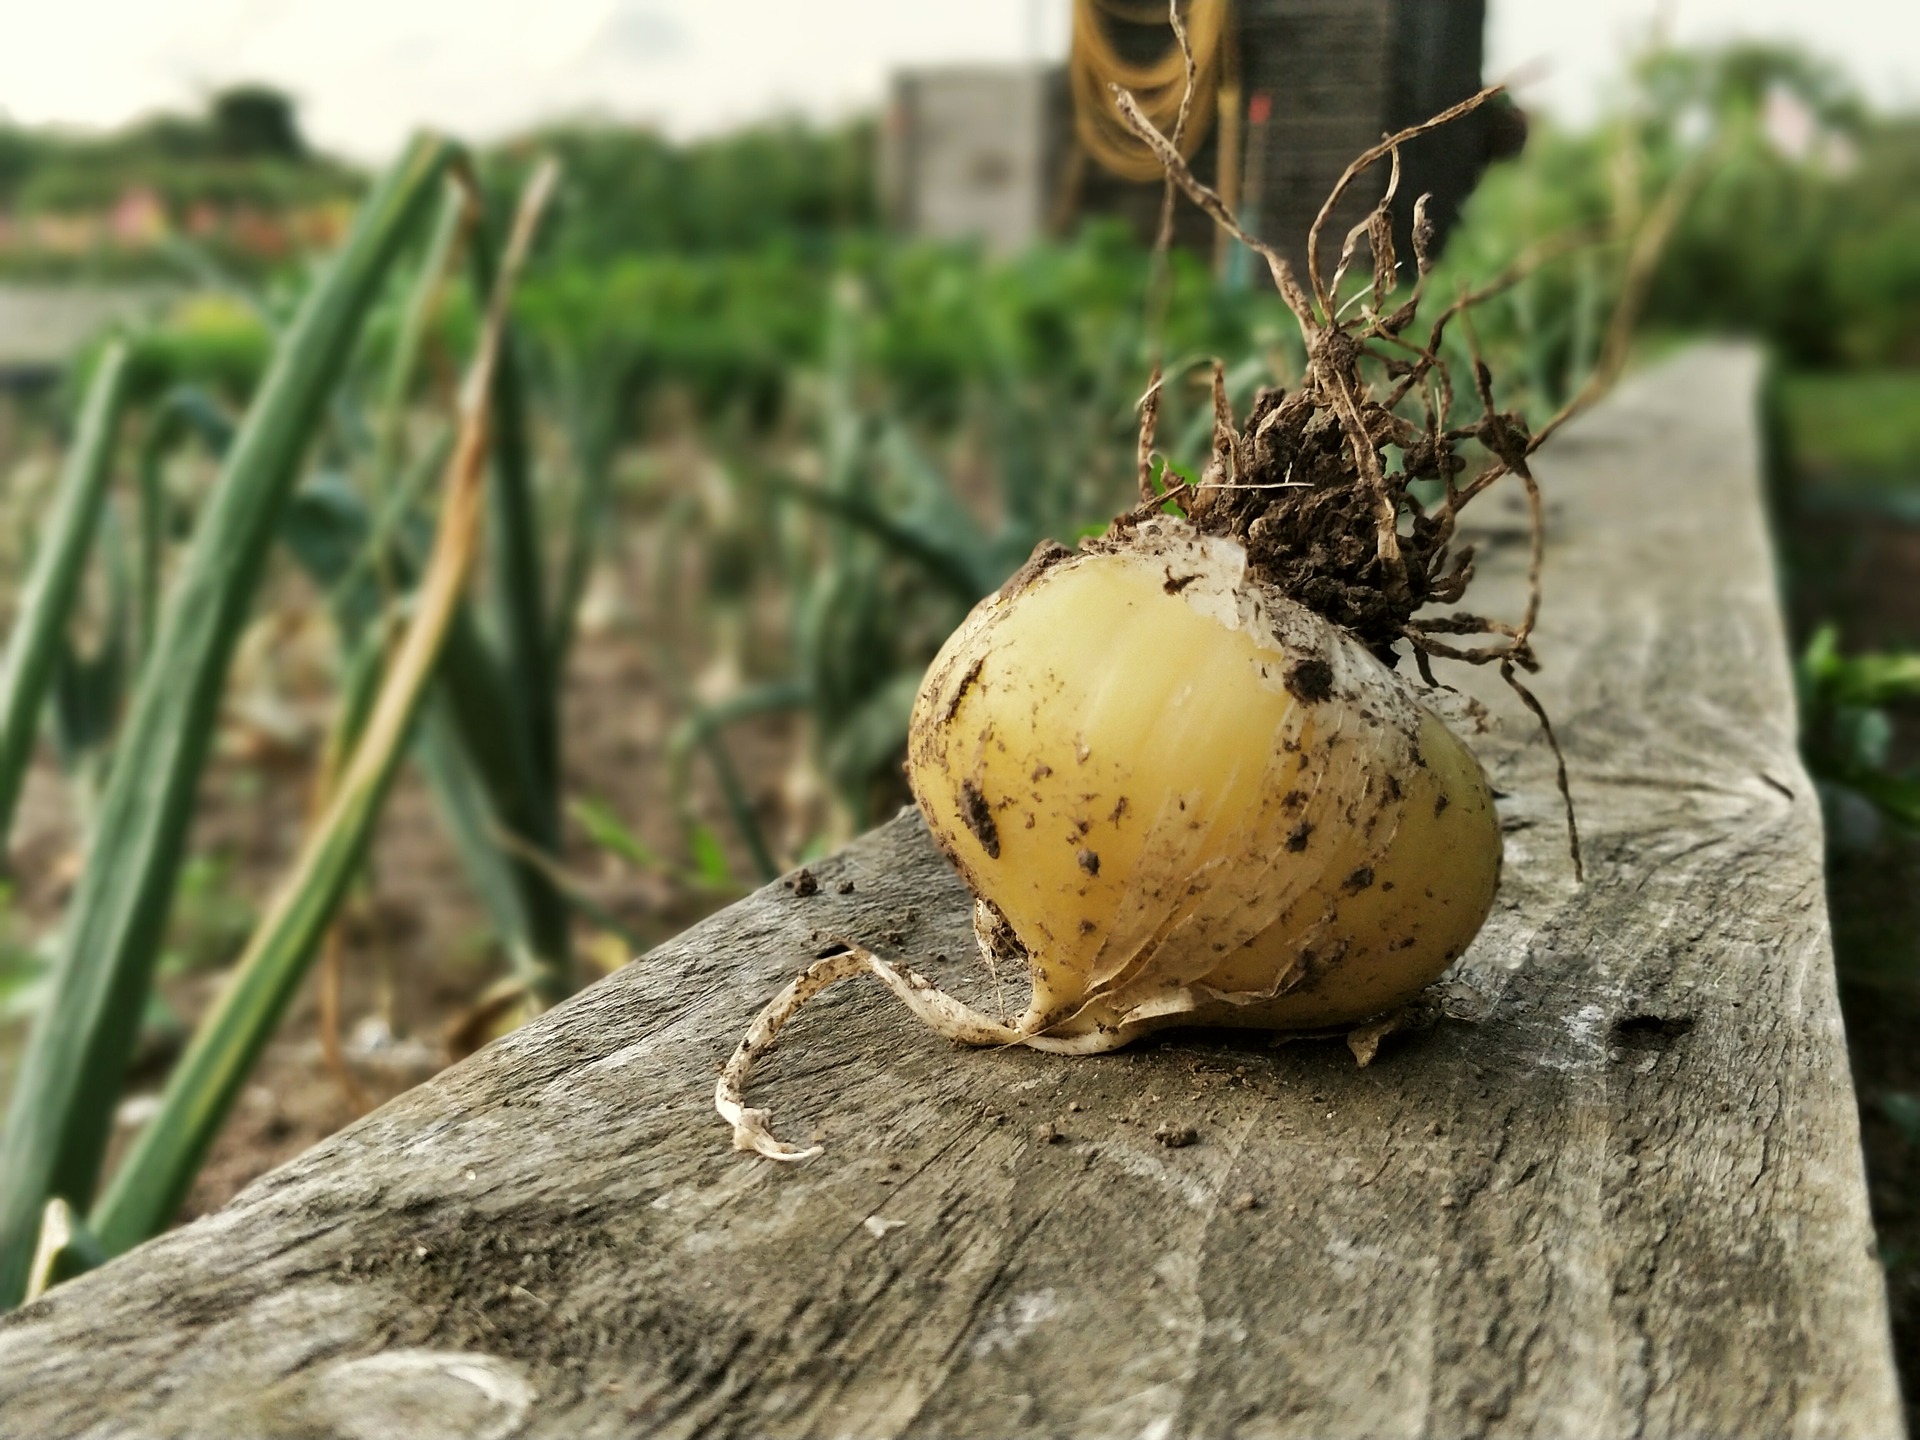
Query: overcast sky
{"type": "Point", "coordinates": [368, 71]}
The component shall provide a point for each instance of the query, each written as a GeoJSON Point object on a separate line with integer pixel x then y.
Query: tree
{"type": "Point", "coordinates": [256, 122]}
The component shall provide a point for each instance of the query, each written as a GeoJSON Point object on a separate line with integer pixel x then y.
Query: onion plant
{"type": "Point", "coordinates": [70, 1078]}
{"type": "Point", "coordinates": [33, 649]}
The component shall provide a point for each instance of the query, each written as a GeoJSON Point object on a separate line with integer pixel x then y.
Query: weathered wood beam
{"type": "Point", "coordinates": [1617, 1192]}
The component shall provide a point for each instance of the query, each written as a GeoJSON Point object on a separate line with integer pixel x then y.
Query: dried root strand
{"type": "Point", "coordinates": [1160, 277]}
{"type": "Point", "coordinates": [1643, 259]}
{"type": "Point", "coordinates": [1342, 383]}
{"type": "Point", "coordinates": [1422, 236]}
{"type": "Point", "coordinates": [1536, 559]}
{"type": "Point", "coordinates": [1216, 209]}
{"type": "Point", "coordinates": [1516, 651]}
{"type": "Point", "coordinates": [1228, 463]}
{"type": "Point", "coordinates": [1377, 230]}
{"type": "Point", "coordinates": [750, 1128]}
{"type": "Point", "coordinates": [1386, 265]}
{"type": "Point", "coordinates": [1528, 699]}
{"type": "Point", "coordinates": [1186, 107]}
{"type": "Point", "coordinates": [1417, 572]}
{"type": "Point", "coordinates": [1365, 162]}
{"type": "Point", "coordinates": [1429, 366]}
{"type": "Point", "coordinates": [1332, 354]}
{"type": "Point", "coordinates": [1149, 427]}
{"type": "Point", "coordinates": [939, 1011]}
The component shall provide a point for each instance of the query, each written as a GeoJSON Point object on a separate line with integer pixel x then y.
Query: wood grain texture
{"type": "Point", "coordinates": [1617, 1192]}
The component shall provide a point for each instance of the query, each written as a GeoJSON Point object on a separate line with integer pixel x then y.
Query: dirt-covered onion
{"type": "Point", "coordinates": [1191, 799]}
{"type": "Point", "coordinates": [1179, 797]}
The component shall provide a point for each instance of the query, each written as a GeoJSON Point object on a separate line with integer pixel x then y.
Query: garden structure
{"type": "Point", "coordinates": [1288, 91]}
{"type": "Point", "coordinates": [1614, 1188]}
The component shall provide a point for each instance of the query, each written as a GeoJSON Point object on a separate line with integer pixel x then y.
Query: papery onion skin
{"type": "Point", "coordinates": [1195, 801]}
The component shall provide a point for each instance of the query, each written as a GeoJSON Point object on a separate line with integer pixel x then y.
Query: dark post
{"type": "Point", "coordinates": [1319, 82]}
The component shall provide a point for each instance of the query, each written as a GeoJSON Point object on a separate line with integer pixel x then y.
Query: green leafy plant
{"type": "Point", "coordinates": [1846, 730]}
{"type": "Point", "coordinates": [33, 650]}
{"type": "Point", "coordinates": [69, 1079]}
{"type": "Point", "coordinates": [154, 1178]}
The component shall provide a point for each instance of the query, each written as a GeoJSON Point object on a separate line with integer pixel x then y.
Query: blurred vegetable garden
{"type": "Point", "coordinates": [744, 461]}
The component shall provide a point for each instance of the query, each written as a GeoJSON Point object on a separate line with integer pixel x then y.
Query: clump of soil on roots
{"type": "Point", "coordinates": [1319, 483]}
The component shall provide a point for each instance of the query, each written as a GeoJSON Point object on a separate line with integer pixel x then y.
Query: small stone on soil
{"type": "Point", "coordinates": [1047, 1135]}
{"type": "Point", "coordinates": [1246, 1200]}
{"type": "Point", "coordinates": [1176, 1137]}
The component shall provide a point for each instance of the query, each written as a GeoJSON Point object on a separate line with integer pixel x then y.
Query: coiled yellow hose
{"type": "Point", "coordinates": [1094, 63]}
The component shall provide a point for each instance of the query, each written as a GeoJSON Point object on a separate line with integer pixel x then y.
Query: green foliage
{"type": "Point", "coordinates": [69, 1079]}
{"type": "Point", "coordinates": [33, 649]}
{"type": "Point", "coordinates": [24, 963]}
{"type": "Point", "coordinates": [785, 186]}
{"type": "Point", "coordinates": [213, 343]}
{"type": "Point", "coordinates": [1815, 252]}
{"type": "Point", "coordinates": [725, 329]}
{"type": "Point", "coordinates": [365, 544]}
{"type": "Point", "coordinates": [1874, 266]}
{"type": "Point", "coordinates": [233, 187]}
{"type": "Point", "coordinates": [373, 723]}
{"type": "Point", "coordinates": [211, 918]}
{"type": "Point", "coordinates": [1846, 730]}
{"type": "Point", "coordinates": [1904, 1111]}
{"type": "Point", "coordinates": [473, 753]}
{"type": "Point", "coordinates": [956, 411]}
{"type": "Point", "coordinates": [606, 829]}
{"type": "Point", "coordinates": [1852, 425]}
{"type": "Point", "coordinates": [887, 430]}
{"type": "Point", "coordinates": [249, 121]}
{"type": "Point", "coordinates": [914, 374]}
{"type": "Point", "coordinates": [68, 176]}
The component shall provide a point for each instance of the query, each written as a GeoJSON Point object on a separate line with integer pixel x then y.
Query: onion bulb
{"type": "Point", "coordinates": [1179, 797]}
{"type": "Point", "coordinates": [1190, 799]}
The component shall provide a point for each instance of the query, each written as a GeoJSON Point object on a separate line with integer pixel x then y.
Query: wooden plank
{"type": "Point", "coordinates": [1617, 1192]}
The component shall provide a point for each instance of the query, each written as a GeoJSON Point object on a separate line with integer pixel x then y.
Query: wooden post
{"type": "Point", "coordinates": [1618, 1191]}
